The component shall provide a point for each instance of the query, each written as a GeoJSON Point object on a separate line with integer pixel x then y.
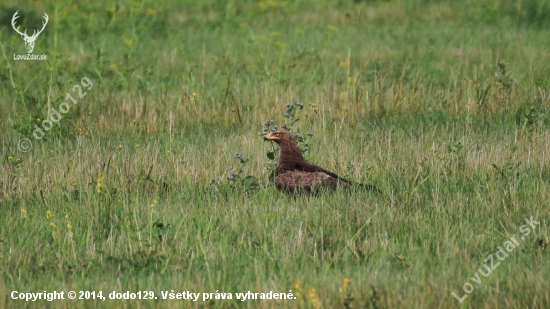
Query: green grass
{"type": "Point", "coordinates": [442, 105]}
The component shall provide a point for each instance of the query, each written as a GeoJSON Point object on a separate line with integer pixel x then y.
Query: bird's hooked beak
{"type": "Point", "coordinates": [268, 137]}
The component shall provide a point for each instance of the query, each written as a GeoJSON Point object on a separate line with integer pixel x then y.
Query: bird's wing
{"type": "Point", "coordinates": [306, 182]}
{"type": "Point", "coordinates": [310, 168]}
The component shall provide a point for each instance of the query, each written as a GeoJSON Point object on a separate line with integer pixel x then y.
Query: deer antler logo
{"type": "Point", "coordinates": [29, 40]}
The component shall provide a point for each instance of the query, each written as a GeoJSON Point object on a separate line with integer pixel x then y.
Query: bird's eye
{"type": "Point", "coordinates": [277, 134]}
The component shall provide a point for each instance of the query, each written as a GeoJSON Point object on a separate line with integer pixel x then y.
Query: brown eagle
{"type": "Point", "coordinates": [295, 175]}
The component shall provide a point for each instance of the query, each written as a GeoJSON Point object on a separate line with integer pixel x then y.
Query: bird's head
{"type": "Point", "coordinates": [290, 151]}
{"type": "Point", "coordinates": [279, 135]}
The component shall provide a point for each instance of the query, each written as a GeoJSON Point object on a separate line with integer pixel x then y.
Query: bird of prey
{"type": "Point", "coordinates": [295, 175]}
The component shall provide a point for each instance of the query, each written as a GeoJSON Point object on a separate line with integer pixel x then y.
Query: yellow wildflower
{"type": "Point", "coordinates": [282, 45]}
{"type": "Point", "coordinates": [315, 301]}
{"type": "Point", "coordinates": [345, 285]}
{"type": "Point", "coordinates": [153, 206]}
{"type": "Point", "coordinates": [261, 38]}
{"type": "Point", "coordinates": [128, 42]}
{"type": "Point", "coordinates": [298, 292]}
{"type": "Point", "coordinates": [264, 5]}
{"type": "Point", "coordinates": [347, 282]}
{"type": "Point", "coordinates": [315, 108]}
{"type": "Point", "coordinates": [332, 28]}
{"type": "Point", "coordinates": [100, 180]}
{"type": "Point", "coordinates": [151, 12]}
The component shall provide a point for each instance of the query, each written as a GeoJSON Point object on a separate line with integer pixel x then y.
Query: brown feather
{"type": "Point", "coordinates": [302, 182]}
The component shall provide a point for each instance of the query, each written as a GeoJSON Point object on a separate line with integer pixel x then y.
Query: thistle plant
{"type": "Point", "coordinates": [248, 182]}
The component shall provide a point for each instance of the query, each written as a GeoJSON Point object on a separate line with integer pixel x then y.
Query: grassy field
{"type": "Point", "coordinates": [443, 105]}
